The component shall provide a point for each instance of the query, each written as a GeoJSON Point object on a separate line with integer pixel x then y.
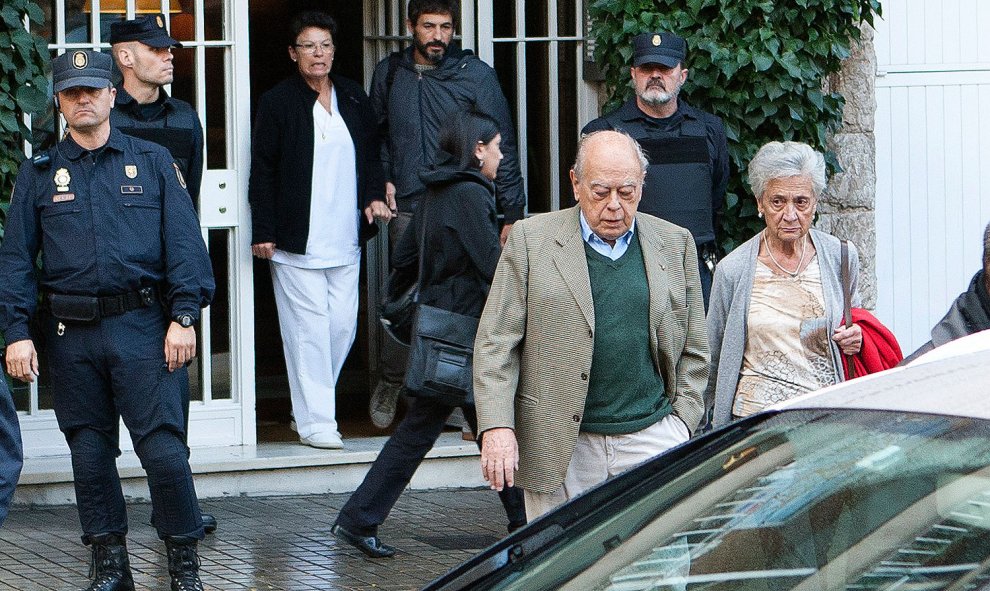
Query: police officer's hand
{"type": "Point", "coordinates": [22, 360]}
{"type": "Point", "coordinates": [263, 250]}
{"type": "Point", "coordinates": [180, 346]}
{"type": "Point", "coordinates": [377, 210]}
{"type": "Point", "coordinates": [499, 457]}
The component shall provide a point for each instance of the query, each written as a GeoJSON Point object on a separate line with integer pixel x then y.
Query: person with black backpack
{"type": "Point", "coordinates": [413, 92]}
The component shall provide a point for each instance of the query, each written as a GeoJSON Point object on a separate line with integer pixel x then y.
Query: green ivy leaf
{"type": "Point", "coordinates": [8, 120]}
{"type": "Point", "coordinates": [31, 99]}
{"type": "Point", "coordinates": [762, 62]}
{"type": "Point", "coordinates": [11, 17]}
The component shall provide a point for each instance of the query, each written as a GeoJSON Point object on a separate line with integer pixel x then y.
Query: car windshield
{"type": "Point", "coordinates": [803, 500]}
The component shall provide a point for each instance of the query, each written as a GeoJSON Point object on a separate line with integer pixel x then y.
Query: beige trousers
{"type": "Point", "coordinates": [599, 457]}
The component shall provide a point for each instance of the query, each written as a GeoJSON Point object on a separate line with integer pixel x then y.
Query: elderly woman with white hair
{"type": "Point", "coordinates": [775, 316]}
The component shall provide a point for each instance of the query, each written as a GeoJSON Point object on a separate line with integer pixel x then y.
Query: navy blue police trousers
{"type": "Point", "coordinates": [112, 369]}
{"type": "Point", "coordinates": [11, 452]}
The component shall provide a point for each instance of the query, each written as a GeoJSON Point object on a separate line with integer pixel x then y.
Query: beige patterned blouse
{"type": "Point", "coordinates": [787, 340]}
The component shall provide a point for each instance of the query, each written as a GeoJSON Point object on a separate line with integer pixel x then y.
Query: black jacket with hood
{"type": "Point", "coordinates": [456, 221]}
{"type": "Point", "coordinates": [411, 107]}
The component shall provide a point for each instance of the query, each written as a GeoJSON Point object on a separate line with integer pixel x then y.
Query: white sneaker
{"type": "Point", "coordinates": [323, 440]}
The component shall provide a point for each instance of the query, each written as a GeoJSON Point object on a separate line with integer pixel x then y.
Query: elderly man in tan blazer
{"type": "Point", "coordinates": [591, 355]}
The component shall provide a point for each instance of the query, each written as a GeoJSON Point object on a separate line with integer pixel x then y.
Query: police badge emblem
{"type": "Point", "coordinates": [80, 60]}
{"type": "Point", "coordinates": [62, 179]}
{"type": "Point", "coordinates": [131, 171]}
{"type": "Point", "coordinates": [656, 40]}
{"type": "Point", "coordinates": [178, 174]}
{"type": "Point", "coordinates": [160, 21]}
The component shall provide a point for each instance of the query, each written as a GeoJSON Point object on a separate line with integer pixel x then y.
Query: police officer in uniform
{"type": "Point", "coordinates": [11, 452]}
{"type": "Point", "coordinates": [142, 49]}
{"type": "Point", "coordinates": [124, 275]}
{"type": "Point", "coordinates": [686, 147]}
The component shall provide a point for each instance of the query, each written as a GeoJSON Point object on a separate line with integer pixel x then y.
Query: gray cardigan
{"type": "Point", "coordinates": [729, 308]}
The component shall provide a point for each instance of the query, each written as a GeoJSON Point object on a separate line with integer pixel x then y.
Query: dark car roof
{"type": "Point", "coordinates": [957, 386]}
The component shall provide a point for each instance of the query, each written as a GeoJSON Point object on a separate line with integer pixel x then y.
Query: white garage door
{"type": "Point", "coordinates": [933, 158]}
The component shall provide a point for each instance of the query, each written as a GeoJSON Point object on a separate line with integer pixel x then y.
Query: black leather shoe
{"type": "Point", "coordinates": [209, 523]}
{"type": "Point", "coordinates": [370, 545]}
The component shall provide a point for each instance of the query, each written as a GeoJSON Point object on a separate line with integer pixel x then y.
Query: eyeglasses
{"type": "Point", "coordinates": [310, 48]}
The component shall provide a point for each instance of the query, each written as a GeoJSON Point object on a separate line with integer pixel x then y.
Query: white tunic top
{"type": "Point", "coordinates": [333, 211]}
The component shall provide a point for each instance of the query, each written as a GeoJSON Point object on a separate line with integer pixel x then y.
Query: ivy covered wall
{"type": "Point", "coordinates": [23, 88]}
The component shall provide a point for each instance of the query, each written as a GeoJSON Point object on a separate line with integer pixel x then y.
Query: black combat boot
{"type": "Point", "coordinates": [183, 563]}
{"type": "Point", "coordinates": [110, 569]}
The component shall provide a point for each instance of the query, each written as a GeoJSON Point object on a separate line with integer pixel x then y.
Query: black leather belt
{"type": "Point", "coordinates": [91, 308]}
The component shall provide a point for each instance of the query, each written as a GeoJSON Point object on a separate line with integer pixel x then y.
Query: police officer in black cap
{"type": "Point", "coordinates": [11, 452]}
{"type": "Point", "coordinates": [123, 278]}
{"type": "Point", "coordinates": [686, 147]}
{"type": "Point", "coordinates": [142, 49]}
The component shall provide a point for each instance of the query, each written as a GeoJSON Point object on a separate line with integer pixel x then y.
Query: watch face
{"type": "Point", "coordinates": [185, 320]}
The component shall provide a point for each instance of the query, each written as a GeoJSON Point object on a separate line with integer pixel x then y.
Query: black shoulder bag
{"type": "Point", "coordinates": [441, 351]}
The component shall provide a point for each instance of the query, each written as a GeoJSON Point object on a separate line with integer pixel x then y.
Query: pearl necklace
{"type": "Point", "coordinates": [804, 244]}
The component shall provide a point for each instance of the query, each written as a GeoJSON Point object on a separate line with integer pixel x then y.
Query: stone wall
{"type": "Point", "coordinates": [847, 209]}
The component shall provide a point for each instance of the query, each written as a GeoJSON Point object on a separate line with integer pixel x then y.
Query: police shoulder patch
{"type": "Point", "coordinates": [178, 174]}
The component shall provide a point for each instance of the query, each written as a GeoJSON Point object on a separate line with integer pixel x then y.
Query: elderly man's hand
{"type": "Point", "coordinates": [849, 340]}
{"type": "Point", "coordinates": [499, 457]}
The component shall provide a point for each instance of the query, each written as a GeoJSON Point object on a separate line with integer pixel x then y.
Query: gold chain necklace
{"type": "Point", "coordinates": [804, 244]}
{"type": "Point", "coordinates": [323, 130]}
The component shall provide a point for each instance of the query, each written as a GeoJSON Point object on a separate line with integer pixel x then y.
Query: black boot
{"type": "Point", "coordinates": [110, 569]}
{"type": "Point", "coordinates": [183, 563]}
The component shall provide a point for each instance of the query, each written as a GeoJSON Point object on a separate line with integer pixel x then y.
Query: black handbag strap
{"type": "Point", "coordinates": [844, 276]}
{"type": "Point", "coordinates": [846, 285]}
{"type": "Point", "coordinates": [420, 211]}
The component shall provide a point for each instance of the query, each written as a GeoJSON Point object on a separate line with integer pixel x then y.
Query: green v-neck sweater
{"type": "Point", "coordinates": [625, 392]}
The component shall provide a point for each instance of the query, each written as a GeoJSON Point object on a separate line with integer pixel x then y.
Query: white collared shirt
{"type": "Point", "coordinates": [603, 248]}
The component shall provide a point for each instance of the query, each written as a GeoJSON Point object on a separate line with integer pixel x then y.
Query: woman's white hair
{"type": "Point", "coordinates": [777, 160]}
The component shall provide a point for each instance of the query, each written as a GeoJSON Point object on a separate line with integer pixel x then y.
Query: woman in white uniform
{"type": "Point", "coordinates": [315, 166]}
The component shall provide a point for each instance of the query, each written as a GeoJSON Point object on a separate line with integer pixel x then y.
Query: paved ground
{"type": "Point", "coordinates": [264, 544]}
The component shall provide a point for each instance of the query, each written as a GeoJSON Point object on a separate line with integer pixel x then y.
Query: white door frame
{"type": "Point", "coordinates": [223, 206]}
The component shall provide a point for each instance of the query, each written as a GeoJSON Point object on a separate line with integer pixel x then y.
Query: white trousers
{"type": "Point", "coordinates": [599, 457]}
{"type": "Point", "coordinates": [317, 313]}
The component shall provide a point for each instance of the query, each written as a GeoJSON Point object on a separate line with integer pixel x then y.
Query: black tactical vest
{"type": "Point", "coordinates": [679, 178]}
{"type": "Point", "coordinates": [174, 131]}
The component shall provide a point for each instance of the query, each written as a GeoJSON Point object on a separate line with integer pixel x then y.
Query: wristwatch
{"type": "Point", "coordinates": [184, 320]}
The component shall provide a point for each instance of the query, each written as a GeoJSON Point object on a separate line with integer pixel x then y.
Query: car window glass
{"type": "Point", "coordinates": [809, 500]}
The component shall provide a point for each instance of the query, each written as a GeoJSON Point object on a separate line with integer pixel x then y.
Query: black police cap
{"type": "Point", "coordinates": [81, 67]}
{"type": "Point", "coordinates": [148, 29]}
{"type": "Point", "coordinates": [659, 48]}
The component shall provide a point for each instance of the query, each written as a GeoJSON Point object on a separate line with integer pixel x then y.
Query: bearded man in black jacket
{"type": "Point", "coordinates": [413, 92]}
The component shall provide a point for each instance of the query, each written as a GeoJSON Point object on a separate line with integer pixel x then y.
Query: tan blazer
{"type": "Point", "coordinates": [535, 341]}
